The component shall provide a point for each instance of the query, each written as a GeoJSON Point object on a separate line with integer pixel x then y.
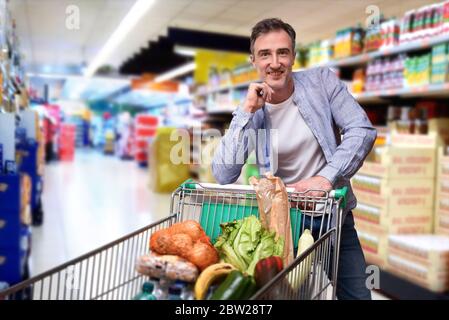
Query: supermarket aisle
{"type": "Point", "coordinates": [90, 202]}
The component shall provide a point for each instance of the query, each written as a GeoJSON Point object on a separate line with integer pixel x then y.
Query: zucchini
{"type": "Point", "coordinates": [231, 288]}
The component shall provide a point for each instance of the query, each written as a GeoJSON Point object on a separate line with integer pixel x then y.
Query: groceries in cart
{"type": "Point", "coordinates": [244, 242]}
{"type": "Point", "coordinates": [274, 210]}
{"type": "Point", "coordinates": [247, 254]}
{"type": "Point", "coordinates": [185, 239]}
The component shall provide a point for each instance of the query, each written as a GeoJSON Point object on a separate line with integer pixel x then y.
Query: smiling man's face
{"type": "Point", "coordinates": [273, 57]}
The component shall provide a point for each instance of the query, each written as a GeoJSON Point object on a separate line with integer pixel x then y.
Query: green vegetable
{"type": "Point", "coordinates": [264, 249]}
{"type": "Point", "coordinates": [251, 288]}
{"type": "Point", "coordinates": [231, 257]}
{"type": "Point", "coordinates": [247, 238]}
{"type": "Point", "coordinates": [244, 242]}
{"type": "Point", "coordinates": [232, 287]}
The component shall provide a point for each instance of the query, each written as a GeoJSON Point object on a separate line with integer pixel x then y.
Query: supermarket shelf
{"type": "Point", "coordinates": [432, 90]}
{"type": "Point", "coordinates": [226, 88]}
{"type": "Point", "coordinates": [408, 47]}
{"type": "Point", "coordinates": [399, 288]}
{"type": "Point", "coordinates": [238, 86]}
{"type": "Point", "coordinates": [222, 110]}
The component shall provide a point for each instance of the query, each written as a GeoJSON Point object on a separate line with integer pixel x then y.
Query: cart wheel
{"type": "Point", "coordinates": [38, 215]}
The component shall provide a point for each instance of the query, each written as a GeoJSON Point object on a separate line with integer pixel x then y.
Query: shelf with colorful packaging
{"type": "Point", "coordinates": [20, 156]}
{"type": "Point", "coordinates": [145, 126]}
{"type": "Point", "coordinates": [401, 58]}
{"type": "Point", "coordinates": [20, 188]}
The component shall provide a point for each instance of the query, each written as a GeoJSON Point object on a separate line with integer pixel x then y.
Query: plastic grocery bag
{"type": "Point", "coordinates": [274, 210]}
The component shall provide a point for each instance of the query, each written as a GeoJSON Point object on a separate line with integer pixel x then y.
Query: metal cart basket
{"type": "Point", "coordinates": [108, 273]}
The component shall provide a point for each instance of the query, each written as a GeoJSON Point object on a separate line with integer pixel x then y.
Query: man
{"type": "Point", "coordinates": [308, 110]}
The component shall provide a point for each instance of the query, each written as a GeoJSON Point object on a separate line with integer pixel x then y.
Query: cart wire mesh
{"type": "Point", "coordinates": [108, 273]}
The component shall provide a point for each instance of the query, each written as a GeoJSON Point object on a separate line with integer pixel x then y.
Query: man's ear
{"type": "Point", "coordinates": [251, 58]}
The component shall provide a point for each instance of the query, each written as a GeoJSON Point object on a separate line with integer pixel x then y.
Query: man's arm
{"type": "Point", "coordinates": [234, 148]}
{"type": "Point", "coordinates": [351, 119]}
{"type": "Point", "coordinates": [240, 140]}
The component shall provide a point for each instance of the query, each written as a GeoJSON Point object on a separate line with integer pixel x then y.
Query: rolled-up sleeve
{"type": "Point", "coordinates": [358, 132]}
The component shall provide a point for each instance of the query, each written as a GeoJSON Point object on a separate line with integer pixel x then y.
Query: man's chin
{"type": "Point", "coordinates": [276, 84]}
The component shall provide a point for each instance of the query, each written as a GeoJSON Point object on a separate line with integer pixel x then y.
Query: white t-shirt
{"type": "Point", "coordinates": [299, 156]}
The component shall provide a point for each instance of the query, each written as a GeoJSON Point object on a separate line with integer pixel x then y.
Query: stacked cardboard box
{"type": "Point", "coordinates": [422, 259]}
{"type": "Point", "coordinates": [442, 194]}
{"type": "Point", "coordinates": [396, 193]}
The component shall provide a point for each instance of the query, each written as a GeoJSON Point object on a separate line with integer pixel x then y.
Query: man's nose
{"type": "Point", "coordinates": [275, 62]}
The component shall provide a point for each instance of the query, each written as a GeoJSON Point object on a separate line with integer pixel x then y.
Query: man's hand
{"type": "Point", "coordinates": [317, 183]}
{"type": "Point", "coordinates": [258, 93]}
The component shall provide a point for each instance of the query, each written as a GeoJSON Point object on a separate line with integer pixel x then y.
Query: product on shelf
{"type": "Point", "coordinates": [386, 73]}
{"type": "Point", "coordinates": [320, 52]}
{"type": "Point", "coordinates": [389, 31]}
{"type": "Point", "coordinates": [373, 39]}
{"type": "Point", "coordinates": [243, 74]}
{"type": "Point", "coordinates": [440, 63]}
{"type": "Point", "coordinates": [417, 70]}
{"type": "Point", "coordinates": [67, 142]}
{"type": "Point", "coordinates": [358, 81]}
{"type": "Point", "coordinates": [348, 42]}
{"type": "Point", "coordinates": [144, 131]}
{"type": "Point", "coordinates": [427, 21]}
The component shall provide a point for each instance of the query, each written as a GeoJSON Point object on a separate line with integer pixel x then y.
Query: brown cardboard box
{"type": "Point", "coordinates": [406, 157]}
{"type": "Point", "coordinates": [374, 240]}
{"type": "Point", "coordinates": [396, 222]}
{"type": "Point", "coordinates": [430, 250]}
{"type": "Point", "coordinates": [442, 194]}
{"type": "Point", "coordinates": [399, 195]}
{"type": "Point", "coordinates": [439, 125]}
{"type": "Point", "coordinates": [402, 163]}
{"type": "Point", "coordinates": [442, 222]}
{"type": "Point", "coordinates": [423, 259]}
{"type": "Point", "coordinates": [414, 272]}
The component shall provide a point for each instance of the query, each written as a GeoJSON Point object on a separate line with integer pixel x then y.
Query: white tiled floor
{"type": "Point", "coordinates": [90, 202]}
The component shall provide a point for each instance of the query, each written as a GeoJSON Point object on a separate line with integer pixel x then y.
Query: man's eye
{"type": "Point", "coordinates": [264, 54]}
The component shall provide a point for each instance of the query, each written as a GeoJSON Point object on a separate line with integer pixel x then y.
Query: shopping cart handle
{"type": "Point", "coordinates": [340, 194]}
{"type": "Point", "coordinates": [189, 184]}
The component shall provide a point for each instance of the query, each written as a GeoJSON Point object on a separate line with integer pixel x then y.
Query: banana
{"type": "Point", "coordinates": [209, 276]}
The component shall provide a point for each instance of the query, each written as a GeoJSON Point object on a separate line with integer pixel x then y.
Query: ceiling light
{"type": "Point", "coordinates": [138, 10]}
{"type": "Point", "coordinates": [184, 51]}
{"type": "Point", "coordinates": [176, 72]}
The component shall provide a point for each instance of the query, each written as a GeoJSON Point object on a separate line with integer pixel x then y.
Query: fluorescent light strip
{"type": "Point", "coordinates": [185, 51]}
{"type": "Point", "coordinates": [138, 10]}
{"type": "Point", "coordinates": [179, 71]}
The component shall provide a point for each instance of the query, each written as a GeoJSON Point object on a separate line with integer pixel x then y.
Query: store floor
{"type": "Point", "coordinates": [90, 202]}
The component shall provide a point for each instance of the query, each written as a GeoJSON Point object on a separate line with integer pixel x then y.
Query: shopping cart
{"type": "Point", "coordinates": [108, 273]}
